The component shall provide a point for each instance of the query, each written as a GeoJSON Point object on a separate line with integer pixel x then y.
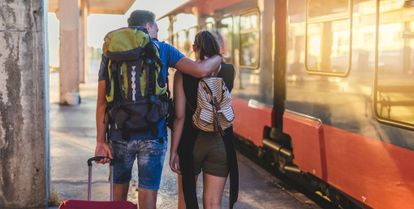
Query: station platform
{"type": "Point", "coordinates": [72, 136]}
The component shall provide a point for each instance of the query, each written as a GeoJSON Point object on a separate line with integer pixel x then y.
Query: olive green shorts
{"type": "Point", "coordinates": [210, 155]}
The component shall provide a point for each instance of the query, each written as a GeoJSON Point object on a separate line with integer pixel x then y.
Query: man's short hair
{"type": "Point", "coordinates": [140, 18]}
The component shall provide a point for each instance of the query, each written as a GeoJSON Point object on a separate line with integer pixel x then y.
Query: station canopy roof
{"type": "Point", "coordinates": [205, 7]}
{"type": "Point", "coordinates": [100, 6]}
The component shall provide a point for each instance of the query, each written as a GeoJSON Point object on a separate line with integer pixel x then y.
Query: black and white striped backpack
{"type": "Point", "coordinates": [214, 111]}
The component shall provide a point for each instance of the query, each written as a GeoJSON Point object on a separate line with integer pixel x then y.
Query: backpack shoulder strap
{"type": "Point", "coordinates": [150, 79]}
{"type": "Point", "coordinates": [151, 61]}
{"type": "Point", "coordinates": [207, 89]}
{"type": "Point", "coordinates": [216, 72]}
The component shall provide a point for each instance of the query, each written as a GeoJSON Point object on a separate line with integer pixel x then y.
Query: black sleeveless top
{"type": "Point", "coordinates": [189, 135]}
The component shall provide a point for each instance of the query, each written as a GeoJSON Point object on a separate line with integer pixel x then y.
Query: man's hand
{"type": "Point", "coordinates": [175, 163]}
{"type": "Point", "coordinates": [103, 149]}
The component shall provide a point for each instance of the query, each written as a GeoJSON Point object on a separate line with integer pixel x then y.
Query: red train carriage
{"type": "Point", "coordinates": [326, 87]}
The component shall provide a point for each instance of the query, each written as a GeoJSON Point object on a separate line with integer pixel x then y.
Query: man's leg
{"type": "Point", "coordinates": [151, 156]}
{"type": "Point", "coordinates": [147, 199]}
{"type": "Point", "coordinates": [123, 163]}
{"type": "Point", "coordinates": [121, 191]}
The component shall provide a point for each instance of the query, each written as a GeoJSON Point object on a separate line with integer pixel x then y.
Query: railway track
{"type": "Point", "coordinates": [296, 186]}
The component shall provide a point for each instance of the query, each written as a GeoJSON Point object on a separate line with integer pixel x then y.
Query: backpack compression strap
{"type": "Point", "coordinates": [133, 84]}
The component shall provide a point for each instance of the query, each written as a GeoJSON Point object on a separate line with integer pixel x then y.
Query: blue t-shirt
{"type": "Point", "coordinates": [169, 57]}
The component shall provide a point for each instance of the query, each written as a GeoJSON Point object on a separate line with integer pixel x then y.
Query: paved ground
{"type": "Point", "coordinates": [73, 140]}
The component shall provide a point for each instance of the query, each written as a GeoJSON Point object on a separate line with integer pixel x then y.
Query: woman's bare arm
{"type": "Point", "coordinates": [179, 103]}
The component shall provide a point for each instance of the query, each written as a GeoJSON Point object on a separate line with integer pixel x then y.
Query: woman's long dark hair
{"type": "Point", "coordinates": [207, 44]}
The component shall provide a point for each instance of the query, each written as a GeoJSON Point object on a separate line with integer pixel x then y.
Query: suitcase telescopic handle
{"type": "Point", "coordinates": [97, 158]}
{"type": "Point", "coordinates": [111, 179]}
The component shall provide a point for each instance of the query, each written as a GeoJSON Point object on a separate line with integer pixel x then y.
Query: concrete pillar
{"type": "Point", "coordinates": [199, 20]}
{"type": "Point", "coordinates": [171, 20]}
{"type": "Point", "coordinates": [83, 47]}
{"type": "Point", "coordinates": [24, 167]}
{"type": "Point", "coordinates": [68, 14]}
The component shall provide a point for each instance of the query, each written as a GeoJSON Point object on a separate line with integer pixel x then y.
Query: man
{"type": "Point", "coordinates": [147, 148]}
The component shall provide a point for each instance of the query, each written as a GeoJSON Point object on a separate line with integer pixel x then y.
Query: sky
{"type": "Point", "coordinates": [99, 25]}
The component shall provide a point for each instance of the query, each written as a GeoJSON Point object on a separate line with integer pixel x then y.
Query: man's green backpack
{"type": "Point", "coordinates": [136, 92]}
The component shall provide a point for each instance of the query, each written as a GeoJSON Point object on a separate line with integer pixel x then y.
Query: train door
{"type": "Point", "coordinates": [253, 49]}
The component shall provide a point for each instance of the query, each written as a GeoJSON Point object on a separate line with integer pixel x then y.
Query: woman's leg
{"type": "Point", "coordinates": [181, 202]}
{"type": "Point", "coordinates": [213, 191]}
{"type": "Point", "coordinates": [121, 192]}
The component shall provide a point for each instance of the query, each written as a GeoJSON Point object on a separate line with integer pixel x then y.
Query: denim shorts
{"type": "Point", "coordinates": [150, 154]}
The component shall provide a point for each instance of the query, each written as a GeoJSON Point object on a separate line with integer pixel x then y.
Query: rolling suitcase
{"type": "Point", "coordinates": [88, 204]}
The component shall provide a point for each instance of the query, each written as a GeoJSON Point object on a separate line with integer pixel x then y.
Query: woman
{"type": "Point", "coordinates": [193, 151]}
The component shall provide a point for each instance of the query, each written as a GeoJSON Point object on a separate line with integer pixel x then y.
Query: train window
{"type": "Point", "coordinates": [249, 40]}
{"type": "Point", "coordinates": [394, 74]}
{"type": "Point", "coordinates": [328, 37]}
{"type": "Point", "coordinates": [225, 28]}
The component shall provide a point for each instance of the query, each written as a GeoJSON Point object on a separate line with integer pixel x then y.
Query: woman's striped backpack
{"type": "Point", "coordinates": [214, 111]}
